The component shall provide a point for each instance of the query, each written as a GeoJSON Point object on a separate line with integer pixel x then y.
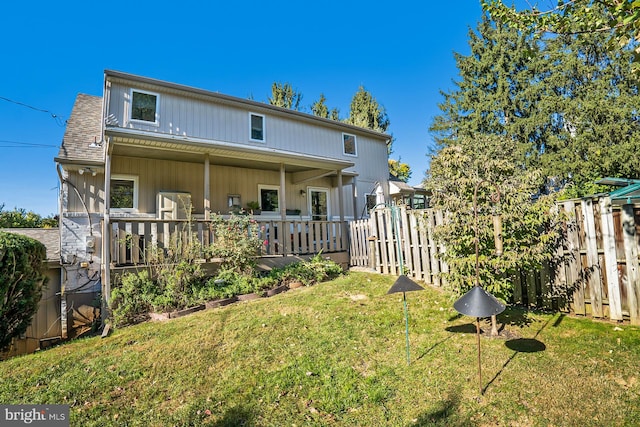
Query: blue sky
{"type": "Point", "coordinates": [400, 51]}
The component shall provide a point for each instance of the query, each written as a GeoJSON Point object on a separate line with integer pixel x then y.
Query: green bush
{"type": "Point", "coordinates": [132, 300]}
{"type": "Point", "coordinates": [21, 282]}
{"type": "Point", "coordinates": [237, 242]}
{"type": "Point", "coordinates": [316, 270]}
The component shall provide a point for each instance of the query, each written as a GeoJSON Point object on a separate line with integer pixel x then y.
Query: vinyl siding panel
{"type": "Point", "coordinates": [197, 118]}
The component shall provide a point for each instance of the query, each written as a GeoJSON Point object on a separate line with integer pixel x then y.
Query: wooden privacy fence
{"type": "Point", "coordinates": [395, 240]}
{"type": "Point", "coordinates": [595, 271]}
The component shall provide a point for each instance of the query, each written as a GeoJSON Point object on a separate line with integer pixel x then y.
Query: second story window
{"type": "Point", "coordinates": [349, 144]}
{"type": "Point", "coordinates": [144, 106]}
{"type": "Point", "coordinates": [256, 127]}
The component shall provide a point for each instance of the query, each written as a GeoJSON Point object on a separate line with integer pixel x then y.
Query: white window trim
{"type": "Point", "coordinates": [268, 187]}
{"type": "Point", "coordinates": [355, 143]}
{"type": "Point", "coordinates": [319, 189]}
{"type": "Point", "coordinates": [264, 127]}
{"type": "Point", "coordinates": [133, 178]}
{"type": "Point", "coordinates": [146, 92]}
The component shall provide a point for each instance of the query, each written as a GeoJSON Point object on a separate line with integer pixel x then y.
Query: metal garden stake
{"type": "Point", "coordinates": [404, 285]}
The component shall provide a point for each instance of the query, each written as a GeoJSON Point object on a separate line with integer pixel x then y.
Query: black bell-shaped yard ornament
{"type": "Point", "coordinates": [478, 303]}
{"type": "Point", "coordinates": [404, 284]}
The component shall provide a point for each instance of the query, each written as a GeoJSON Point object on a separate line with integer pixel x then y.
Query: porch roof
{"type": "Point", "coordinates": [136, 143]}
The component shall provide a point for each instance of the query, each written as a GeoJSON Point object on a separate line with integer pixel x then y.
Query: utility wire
{"type": "Point", "coordinates": [24, 144]}
{"type": "Point", "coordinates": [60, 120]}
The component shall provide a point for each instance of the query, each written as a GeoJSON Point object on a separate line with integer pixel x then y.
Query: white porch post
{"type": "Point", "coordinates": [106, 235]}
{"type": "Point", "coordinates": [354, 197]}
{"type": "Point", "coordinates": [343, 226]}
{"type": "Point", "coordinates": [207, 194]}
{"type": "Point", "coordinates": [283, 198]}
{"type": "Point", "coordinates": [340, 196]}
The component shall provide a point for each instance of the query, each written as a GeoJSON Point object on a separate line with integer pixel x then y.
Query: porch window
{"type": "Point", "coordinates": [349, 144]}
{"type": "Point", "coordinates": [256, 127]}
{"type": "Point", "coordinates": [144, 106]}
{"type": "Point", "coordinates": [269, 196]}
{"type": "Point", "coordinates": [124, 193]}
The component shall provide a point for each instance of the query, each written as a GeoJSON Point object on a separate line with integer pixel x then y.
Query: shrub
{"type": "Point", "coordinates": [21, 281]}
{"type": "Point", "coordinates": [316, 270]}
{"type": "Point", "coordinates": [131, 301]}
{"type": "Point", "coordinates": [237, 242]}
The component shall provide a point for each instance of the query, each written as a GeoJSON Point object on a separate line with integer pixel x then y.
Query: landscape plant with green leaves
{"type": "Point", "coordinates": [21, 281]}
{"type": "Point", "coordinates": [173, 280]}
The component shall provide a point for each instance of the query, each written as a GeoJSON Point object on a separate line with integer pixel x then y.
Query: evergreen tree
{"type": "Point", "coordinates": [568, 101]}
{"type": "Point", "coordinates": [320, 109]}
{"type": "Point", "coordinates": [365, 112]}
{"type": "Point", "coordinates": [588, 109]}
{"type": "Point", "coordinates": [283, 95]}
{"type": "Point", "coordinates": [493, 94]}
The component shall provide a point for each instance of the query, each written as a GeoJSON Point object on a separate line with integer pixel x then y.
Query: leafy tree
{"type": "Point", "coordinates": [620, 18]}
{"type": "Point", "coordinates": [20, 218]}
{"type": "Point", "coordinates": [283, 95]}
{"type": "Point", "coordinates": [402, 171]}
{"type": "Point", "coordinates": [473, 179]}
{"type": "Point", "coordinates": [21, 282]}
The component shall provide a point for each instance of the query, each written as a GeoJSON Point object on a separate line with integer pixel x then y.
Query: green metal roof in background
{"type": "Point", "coordinates": [630, 188]}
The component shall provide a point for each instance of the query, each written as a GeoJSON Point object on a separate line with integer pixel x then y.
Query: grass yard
{"type": "Point", "coordinates": [334, 354]}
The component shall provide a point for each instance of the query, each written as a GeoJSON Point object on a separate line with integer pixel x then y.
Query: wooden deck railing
{"type": "Point", "coordinates": [132, 238]}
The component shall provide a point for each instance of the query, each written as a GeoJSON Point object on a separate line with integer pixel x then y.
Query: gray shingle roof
{"type": "Point", "coordinates": [49, 237]}
{"type": "Point", "coordinates": [83, 128]}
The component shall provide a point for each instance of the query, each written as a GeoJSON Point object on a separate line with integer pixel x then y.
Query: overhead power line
{"type": "Point", "coordinates": [59, 120]}
{"type": "Point", "coordinates": [6, 143]}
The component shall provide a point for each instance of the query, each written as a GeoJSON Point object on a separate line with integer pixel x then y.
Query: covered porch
{"type": "Point", "coordinates": [306, 216]}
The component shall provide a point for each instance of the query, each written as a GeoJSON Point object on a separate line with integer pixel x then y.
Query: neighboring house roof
{"type": "Point", "coordinates": [83, 128]}
{"type": "Point", "coordinates": [398, 186]}
{"type": "Point", "coordinates": [49, 237]}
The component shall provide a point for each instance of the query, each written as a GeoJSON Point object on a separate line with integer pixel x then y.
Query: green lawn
{"type": "Point", "coordinates": [334, 354]}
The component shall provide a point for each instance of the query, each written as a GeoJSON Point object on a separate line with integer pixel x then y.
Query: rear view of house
{"type": "Point", "coordinates": [148, 155]}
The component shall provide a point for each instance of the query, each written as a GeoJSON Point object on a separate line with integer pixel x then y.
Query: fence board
{"type": "Point", "coordinates": [631, 257]}
{"type": "Point", "coordinates": [586, 263]}
{"type": "Point", "coordinates": [610, 259]}
{"type": "Point", "coordinates": [594, 278]}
